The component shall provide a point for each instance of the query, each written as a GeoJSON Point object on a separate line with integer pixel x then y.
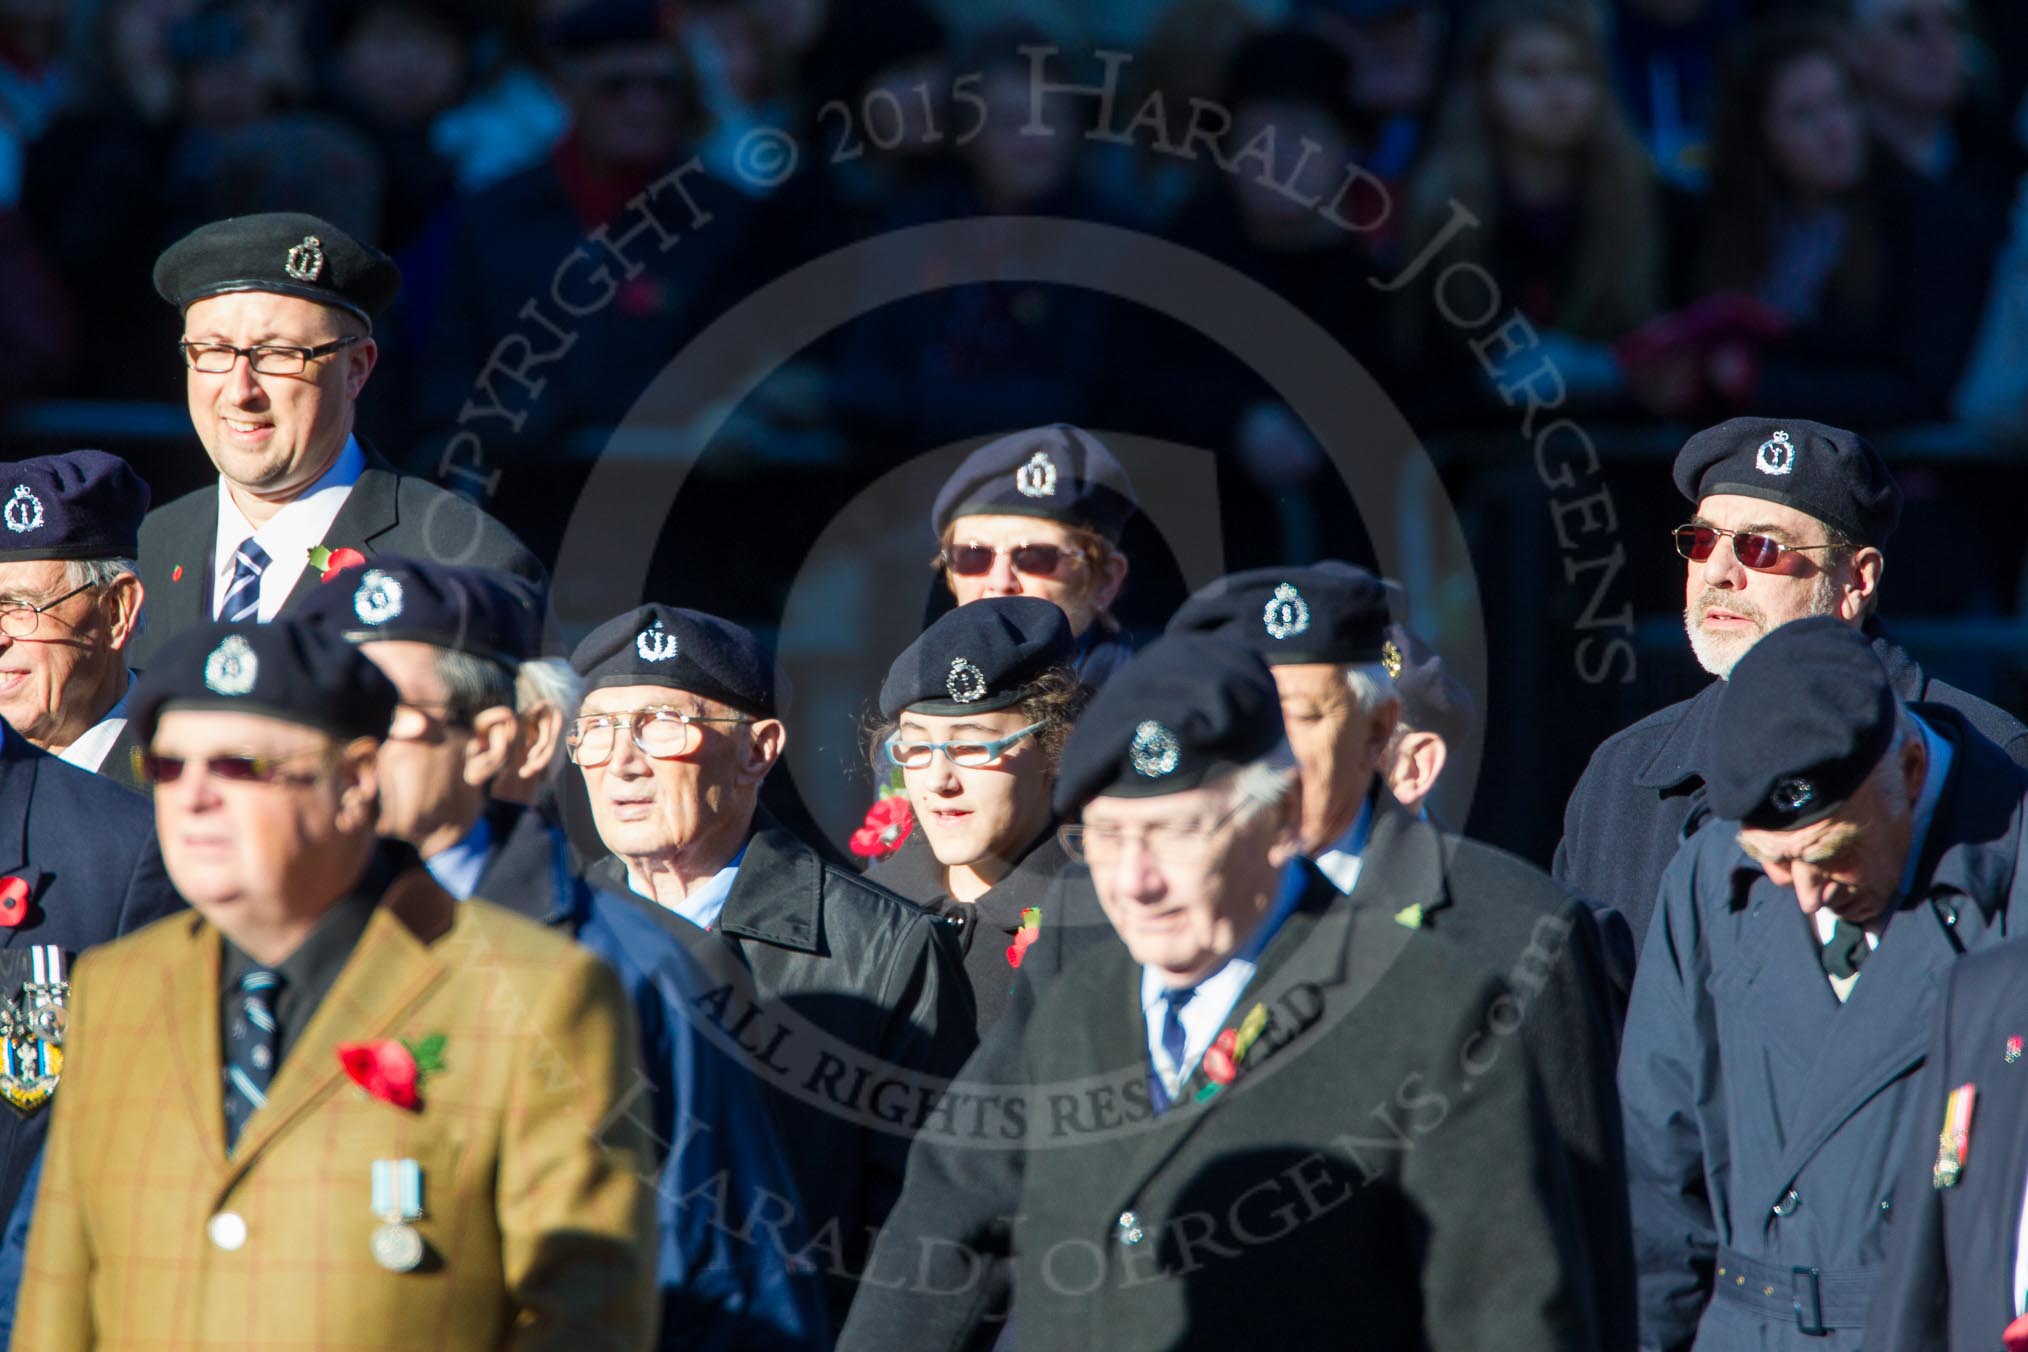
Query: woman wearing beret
{"type": "Point", "coordinates": [1039, 513]}
{"type": "Point", "coordinates": [974, 715]}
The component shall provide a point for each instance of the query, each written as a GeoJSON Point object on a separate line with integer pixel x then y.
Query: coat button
{"type": "Point", "coordinates": [1789, 1202]}
{"type": "Point", "coordinates": [1130, 1230]}
{"type": "Point", "coordinates": [227, 1230]}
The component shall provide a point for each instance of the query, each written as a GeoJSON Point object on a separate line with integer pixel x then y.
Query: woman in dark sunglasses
{"type": "Point", "coordinates": [1039, 513]}
{"type": "Point", "coordinates": [973, 718]}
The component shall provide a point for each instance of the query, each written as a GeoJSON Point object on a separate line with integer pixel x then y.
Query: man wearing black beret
{"type": "Point", "coordinates": [277, 345]}
{"type": "Point", "coordinates": [1791, 519]}
{"type": "Point", "coordinates": [70, 604]}
{"type": "Point", "coordinates": [452, 639]}
{"type": "Point", "coordinates": [1324, 632]}
{"type": "Point", "coordinates": [1790, 985]}
{"type": "Point", "coordinates": [1437, 717]}
{"type": "Point", "coordinates": [850, 987]}
{"type": "Point", "coordinates": [1193, 1165]}
{"type": "Point", "coordinates": [1039, 513]}
{"type": "Point", "coordinates": [330, 1056]}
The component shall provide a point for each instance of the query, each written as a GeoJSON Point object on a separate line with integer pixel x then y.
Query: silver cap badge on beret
{"type": "Point", "coordinates": [1775, 455]}
{"type": "Point", "coordinates": [1037, 478]}
{"type": "Point", "coordinates": [24, 510]}
{"type": "Point", "coordinates": [378, 599]}
{"type": "Point", "coordinates": [966, 682]}
{"type": "Point", "coordinates": [1155, 752]}
{"type": "Point", "coordinates": [1287, 613]}
{"type": "Point", "coordinates": [656, 644]}
{"type": "Point", "coordinates": [1793, 794]}
{"type": "Point", "coordinates": [232, 667]}
{"type": "Point", "coordinates": [305, 262]}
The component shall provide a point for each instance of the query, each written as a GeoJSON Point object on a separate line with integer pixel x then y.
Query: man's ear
{"type": "Point", "coordinates": [540, 743]}
{"type": "Point", "coordinates": [358, 777]}
{"type": "Point", "coordinates": [1113, 576]}
{"type": "Point", "coordinates": [1418, 761]}
{"type": "Point", "coordinates": [1862, 585]}
{"type": "Point", "coordinates": [765, 739]}
{"type": "Point", "coordinates": [492, 742]}
{"type": "Point", "coordinates": [360, 359]}
{"type": "Point", "coordinates": [122, 598]}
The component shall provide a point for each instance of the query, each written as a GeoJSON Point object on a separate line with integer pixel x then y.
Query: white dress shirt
{"type": "Point", "coordinates": [704, 901]}
{"type": "Point", "coordinates": [289, 535]}
{"type": "Point", "coordinates": [88, 752]}
{"type": "Point", "coordinates": [1340, 860]}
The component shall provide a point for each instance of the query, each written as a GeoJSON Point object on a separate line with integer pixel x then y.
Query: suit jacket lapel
{"type": "Point", "coordinates": [391, 969]}
{"type": "Point", "coordinates": [19, 764]}
{"type": "Point", "coordinates": [190, 1009]}
{"type": "Point", "coordinates": [369, 511]}
{"type": "Point", "coordinates": [1403, 863]}
{"type": "Point", "coordinates": [1778, 969]}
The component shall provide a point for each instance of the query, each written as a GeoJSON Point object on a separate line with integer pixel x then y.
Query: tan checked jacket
{"type": "Point", "coordinates": [538, 1232]}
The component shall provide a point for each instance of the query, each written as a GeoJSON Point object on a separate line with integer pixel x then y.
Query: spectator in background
{"type": "Point", "coordinates": [34, 83]}
{"type": "Point", "coordinates": [1993, 396]}
{"type": "Point", "coordinates": [1531, 141]}
{"type": "Point", "coordinates": [1868, 269]}
{"type": "Point", "coordinates": [1666, 54]}
{"type": "Point", "coordinates": [1396, 50]}
{"type": "Point", "coordinates": [889, 59]}
{"type": "Point", "coordinates": [1915, 78]}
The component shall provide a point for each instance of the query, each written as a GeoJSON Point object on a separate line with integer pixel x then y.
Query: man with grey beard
{"type": "Point", "coordinates": [1790, 520]}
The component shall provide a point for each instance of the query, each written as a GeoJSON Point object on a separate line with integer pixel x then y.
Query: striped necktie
{"type": "Point", "coordinates": [243, 596]}
{"type": "Point", "coordinates": [250, 1057]}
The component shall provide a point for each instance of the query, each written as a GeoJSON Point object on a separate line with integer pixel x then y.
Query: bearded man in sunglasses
{"type": "Point", "coordinates": [850, 1002]}
{"type": "Point", "coordinates": [1790, 521]}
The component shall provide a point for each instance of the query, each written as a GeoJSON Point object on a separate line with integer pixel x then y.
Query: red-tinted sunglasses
{"type": "Point", "coordinates": [1758, 552]}
{"type": "Point", "coordinates": [154, 769]}
{"type": "Point", "coordinates": [1032, 560]}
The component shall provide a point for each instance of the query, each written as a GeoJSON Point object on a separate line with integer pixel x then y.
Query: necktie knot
{"type": "Point", "coordinates": [1846, 951]}
{"type": "Point", "coordinates": [243, 593]}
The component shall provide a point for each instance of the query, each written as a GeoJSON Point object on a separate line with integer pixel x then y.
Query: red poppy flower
{"type": "Point", "coordinates": [337, 561]}
{"type": "Point", "coordinates": [1019, 948]}
{"type": "Point", "coordinates": [1220, 1062]}
{"type": "Point", "coordinates": [887, 825]}
{"type": "Point", "coordinates": [2015, 1337]}
{"type": "Point", "coordinates": [385, 1069]}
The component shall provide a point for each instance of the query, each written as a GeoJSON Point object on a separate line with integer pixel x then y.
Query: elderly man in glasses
{"type": "Point", "coordinates": [334, 1103]}
{"type": "Point", "coordinates": [856, 1008]}
{"type": "Point", "coordinates": [70, 604]}
{"type": "Point", "coordinates": [278, 341]}
{"type": "Point", "coordinates": [1790, 521]}
{"type": "Point", "coordinates": [1792, 983]}
{"type": "Point", "coordinates": [453, 641]}
{"type": "Point", "coordinates": [1202, 1150]}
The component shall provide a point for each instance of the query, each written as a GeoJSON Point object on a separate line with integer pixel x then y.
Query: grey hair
{"type": "Point", "coordinates": [1372, 686]}
{"type": "Point", "coordinates": [474, 684]}
{"type": "Point", "coordinates": [548, 680]}
{"type": "Point", "coordinates": [1265, 785]}
{"type": "Point", "coordinates": [97, 573]}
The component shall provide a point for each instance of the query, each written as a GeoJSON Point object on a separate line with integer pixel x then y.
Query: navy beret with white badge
{"type": "Point", "coordinates": [73, 505]}
{"type": "Point", "coordinates": [1821, 471]}
{"type": "Point", "coordinates": [476, 611]}
{"type": "Point", "coordinates": [1057, 473]}
{"type": "Point", "coordinates": [286, 252]}
{"type": "Point", "coordinates": [1323, 612]}
{"type": "Point", "coordinates": [287, 670]}
{"type": "Point", "coordinates": [978, 658]}
{"type": "Point", "coordinates": [681, 649]}
{"type": "Point", "coordinates": [1803, 720]}
{"type": "Point", "coordinates": [1189, 708]}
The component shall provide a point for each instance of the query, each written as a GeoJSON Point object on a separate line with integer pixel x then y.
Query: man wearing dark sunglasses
{"type": "Point", "coordinates": [1789, 521]}
{"type": "Point", "coordinates": [330, 1057]}
{"type": "Point", "coordinates": [839, 982]}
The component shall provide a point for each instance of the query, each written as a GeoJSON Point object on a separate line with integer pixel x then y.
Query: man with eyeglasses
{"type": "Point", "coordinates": [1792, 982]}
{"type": "Point", "coordinates": [1323, 631]}
{"type": "Point", "coordinates": [333, 1103]}
{"type": "Point", "coordinates": [278, 345]}
{"type": "Point", "coordinates": [70, 604]}
{"type": "Point", "coordinates": [1790, 521]}
{"type": "Point", "coordinates": [1212, 1138]}
{"type": "Point", "coordinates": [452, 640]}
{"type": "Point", "coordinates": [857, 1005]}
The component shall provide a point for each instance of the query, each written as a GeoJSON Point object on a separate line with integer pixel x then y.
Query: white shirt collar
{"type": "Point", "coordinates": [88, 752]}
{"type": "Point", "coordinates": [704, 902]}
{"type": "Point", "coordinates": [458, 868]}
{"type": "Point", "coordinates": [289, 535]}
{"type": "Point", "coordinates": [1340, 860]}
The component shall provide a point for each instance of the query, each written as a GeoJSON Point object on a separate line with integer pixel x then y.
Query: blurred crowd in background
{"type": "Point", "coordinates": [1701, 206]}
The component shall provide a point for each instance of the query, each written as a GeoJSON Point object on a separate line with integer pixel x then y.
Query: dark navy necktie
{"type": "Point", "coordinates": [243, 594]}
{"type": "Point", "coordinates": [1846, 951]}
{"type": "Point", "coordinates": [251, 1050]}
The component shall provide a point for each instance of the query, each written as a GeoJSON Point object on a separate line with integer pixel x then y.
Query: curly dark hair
{"type": "Point", "coordinates": [1054, 699]}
